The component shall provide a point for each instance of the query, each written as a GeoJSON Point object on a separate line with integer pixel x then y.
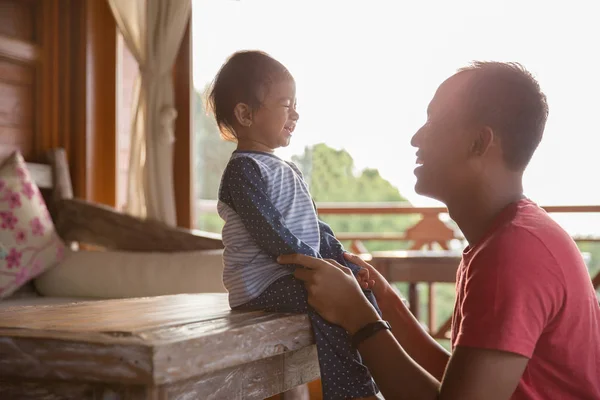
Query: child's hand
{"type": "Point", "coordinates": [363, 279]}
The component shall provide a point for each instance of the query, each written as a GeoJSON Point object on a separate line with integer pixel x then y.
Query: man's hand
{"type": "Point", "coordinates": [333, 291]}
{"type": "Point", "coordinates": [381, 288]}
{"type": "Point", "coordinates": [363, 279]}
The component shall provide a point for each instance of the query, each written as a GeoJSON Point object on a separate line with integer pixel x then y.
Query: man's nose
{"type": "Point", "coordinates": [416, 139]}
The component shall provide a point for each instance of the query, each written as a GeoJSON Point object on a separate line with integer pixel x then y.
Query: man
{"type": "Point", "coordinates": [526, 323]}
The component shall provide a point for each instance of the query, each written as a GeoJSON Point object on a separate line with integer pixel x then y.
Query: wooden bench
{"type": "Point", "coordinates": [167, 347]}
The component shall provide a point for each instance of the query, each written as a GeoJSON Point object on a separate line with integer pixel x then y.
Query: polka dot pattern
{"type": "Point", "coordinates": [268, 211]}
{"type": "Point", "coordinates": [343, 375]}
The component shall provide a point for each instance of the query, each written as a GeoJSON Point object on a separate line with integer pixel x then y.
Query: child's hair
{"type": "Point", "coordinates": [240, 80]}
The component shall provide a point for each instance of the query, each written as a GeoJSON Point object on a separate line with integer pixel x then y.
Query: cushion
{"type": "Point", "coordinates": [121, 274]}
{"type": "Point", "coordinates": [29, 244]}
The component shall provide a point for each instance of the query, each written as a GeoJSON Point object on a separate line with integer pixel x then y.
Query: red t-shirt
{"type": "Point", "coordinates": [524, 288]}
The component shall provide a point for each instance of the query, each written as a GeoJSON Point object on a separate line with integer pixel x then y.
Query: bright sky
{"type": "Point", "coordinates": [366, 70]}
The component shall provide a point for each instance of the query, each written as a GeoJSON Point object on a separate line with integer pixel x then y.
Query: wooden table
{"type": "Point", "coordinates": [169, 347]}
{"type": "Point", "coordinates": [416, 266]}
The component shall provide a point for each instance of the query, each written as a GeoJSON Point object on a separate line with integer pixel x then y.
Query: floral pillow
{"type": "Point", "coordinates": [29, 244]}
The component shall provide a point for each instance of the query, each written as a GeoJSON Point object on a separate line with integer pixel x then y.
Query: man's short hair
{"type": "Point", "coordinates": [508, 99]}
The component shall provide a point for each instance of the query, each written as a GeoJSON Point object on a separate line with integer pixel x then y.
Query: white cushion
{"type": "Point", "coordinates": [117, 274]}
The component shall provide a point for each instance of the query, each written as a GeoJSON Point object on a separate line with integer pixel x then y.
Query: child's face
{"type": "Point", "coordinates": [275, 120]}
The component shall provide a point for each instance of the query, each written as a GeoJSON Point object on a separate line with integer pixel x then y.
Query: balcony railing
{"type": "Point", "coordinates": [428, 233]}
{"type": "Point", "coordinates": [433, 230]}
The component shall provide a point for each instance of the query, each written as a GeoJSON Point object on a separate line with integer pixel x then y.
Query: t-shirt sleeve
{"type": "Point", "coordinates": [512, 292]}
{"type": "Point", "coordinates": [245, 191]}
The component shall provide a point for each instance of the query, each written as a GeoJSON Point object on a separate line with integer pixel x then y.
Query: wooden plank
{"type": "Point", "coordinates": [380, 208]}
{"type": "Point", "coordinates": [35, 358]}
{"type": "Point", "coordinates": [80, 221]}
{"type": "Point", "coordinates": [63, 188]}
{"type": "Point", "coordinates": [60, 390]}
{"type": "Point", "coordinates": [183, 165]}
{"type": "Point", "coordinates": [119, 315]}
{"type": "Point", "coordinates": [14, 73]}
{"type": "Point", "coordinates": [401, 237]}
{"type": "Point", "coordinates": [16, 115]}
{"type": "Point", "coordinates": [417, 266]}
{"type": "Point", "coordinates": [18, 50]}
{"type": "Point", "coordinates": [229, 346]}
{"type": "Point", "coordinates": [41, 175]}
{"type": "Point", "coordinates": [179, 352]}
{"type": "Point", "coordinates": [16, 105]}
{"type": "Point", "coordinates": [16, 19]}
{"type": "Point", "coordinates": [417, 255]}
{"type": "Point", "coordinates": [159, 339]}
{"type": "Point", "coordinates": [101, 121]}
{"type": "Point", "coordinates": [48, 79]}
{"type": "Point", "coordinates": [12, 139]}
{"type": "Point", "coordinates": [257, 380]}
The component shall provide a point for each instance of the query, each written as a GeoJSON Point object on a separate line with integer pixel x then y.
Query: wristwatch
{"type": "Point", "coordinates": [369, 330]}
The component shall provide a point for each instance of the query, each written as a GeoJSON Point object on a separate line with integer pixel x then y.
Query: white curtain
{"type": "Point", "coordinates": [152, 29]}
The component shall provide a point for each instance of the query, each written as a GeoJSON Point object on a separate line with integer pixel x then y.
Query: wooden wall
{"type": "Point", "coordinates": [58, 85]}
{"type": "Point", "coordinates": [19, 58]}
{"type": "Point", "coordinates": [58, 88]}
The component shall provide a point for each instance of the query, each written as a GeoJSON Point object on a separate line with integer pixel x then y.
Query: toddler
{"type": "Point", "coordinates": [268, 211]}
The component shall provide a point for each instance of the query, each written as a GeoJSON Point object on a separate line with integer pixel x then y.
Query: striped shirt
{"type": "Point", "coordinates": [268, 211]}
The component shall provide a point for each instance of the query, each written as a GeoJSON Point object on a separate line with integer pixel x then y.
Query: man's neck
{"type": "Point", "coordinates": [475, 212]}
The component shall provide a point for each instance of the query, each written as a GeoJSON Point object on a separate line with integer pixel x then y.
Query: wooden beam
{"type": "Point", "coordinates": [47, 125]}
{"type": "Point", "coordinates": [101, 60]}
{"type": "Point", "coordinates": [183, 148]}
{"type": "Point", "coordinates": [380, 208]}
{"type": "Point", "coordinates": [75, 93]}
{"type": "Point", "coordinates": [18, 50]}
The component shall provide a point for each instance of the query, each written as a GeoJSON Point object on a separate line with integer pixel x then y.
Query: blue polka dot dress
{"type": "Point", "coordinates": [268, 212]}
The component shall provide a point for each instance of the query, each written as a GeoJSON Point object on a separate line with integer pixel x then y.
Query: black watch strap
{"type": "Point", "coordinates": [369, 330]}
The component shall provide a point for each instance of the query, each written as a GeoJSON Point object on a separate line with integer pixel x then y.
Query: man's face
{"type": "Point", "coordinates": [444, 144]}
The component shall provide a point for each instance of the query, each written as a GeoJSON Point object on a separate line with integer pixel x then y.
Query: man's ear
{"type": "Point", "coordinates": [243, 114]}
{"type": "Point", "coordinates": [483, 140]}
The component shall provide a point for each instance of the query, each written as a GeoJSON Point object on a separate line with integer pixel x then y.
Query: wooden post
{"type": "Point", "coordinates": [413, 299]}
{"type": "Point", "coordinates": [431, 307]}
{"type": "Point", "coordinates": [183, 149]}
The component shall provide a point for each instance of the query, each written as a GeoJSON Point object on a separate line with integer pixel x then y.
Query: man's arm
{"type": "Point", "coordinates": [419, 344]}
{"type": "Point", "coordinates": [245, 191]}
{"type": "Point", "coordinates": [472, 373]}
{"type": "Point", "coordinates": [428, 353]}
{"type": "Point", "coordinates": [476, 373]}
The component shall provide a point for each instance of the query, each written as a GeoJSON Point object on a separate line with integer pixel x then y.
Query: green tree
{"type": "Point", "coordinates": [211, 156]}
{"type": "Point", "coordinates": [212, 152]}
{"type": "Point", "coordinates": [332, 177]}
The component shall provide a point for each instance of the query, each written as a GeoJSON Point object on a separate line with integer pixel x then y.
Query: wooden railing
{"type": "Point", "coordinates": [427, 233]}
